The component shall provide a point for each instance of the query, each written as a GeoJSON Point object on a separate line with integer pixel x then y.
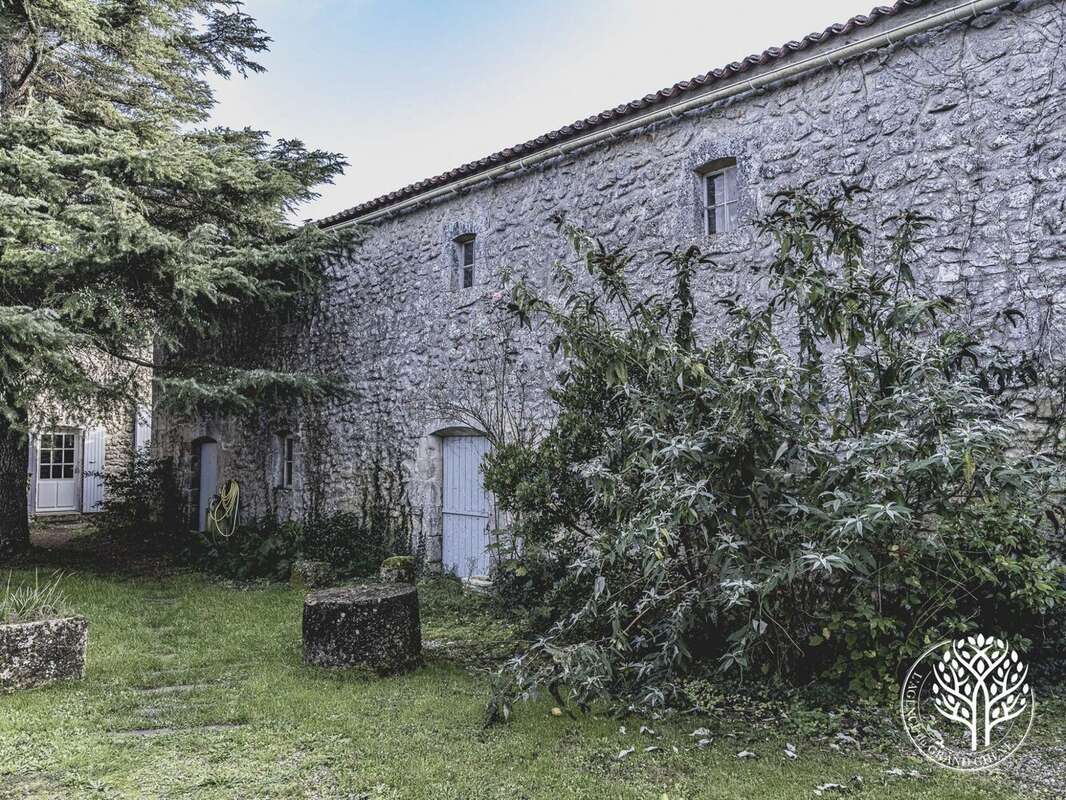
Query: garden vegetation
{"type": "Point", "coordinates": [811, 484]}
{"type": "Point", "coordinates": [130, 236]}
{"type": "Point", "coordinates": [30, 602]}
{"type": "Point", "coordinates": [143, 512]}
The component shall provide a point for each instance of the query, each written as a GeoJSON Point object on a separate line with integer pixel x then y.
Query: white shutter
{"type": "Point", "coordinates": [92, 493]}
{"type": "Point", "coordinates": [142, 429]}
{"type": "Point", "coordinates": [31, 473]}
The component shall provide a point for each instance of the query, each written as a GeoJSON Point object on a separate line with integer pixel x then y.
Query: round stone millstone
{"type": "Point", "coordinates": [375, 626]}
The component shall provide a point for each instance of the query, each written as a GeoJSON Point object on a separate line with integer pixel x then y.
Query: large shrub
{"type": "Point", "coordinates": [141, 505]}
{"type": "Point", "coordinates": [267, 548]}
{"type": "Point", "coordinates": [816, 485]}
{"type": "Point", "coordinates": [355, 544]}
{"type": "Point", "coordinates": [260, 548]}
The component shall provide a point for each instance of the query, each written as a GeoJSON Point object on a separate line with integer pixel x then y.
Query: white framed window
{"type": "Point", "coordinates": [287, 462]}
{"type": "Point", "coordinates": [720, 198]}
{"type": "Point", "coordinates": [55, 459]}
{"type": "Point", "coordinates": [465, 251]}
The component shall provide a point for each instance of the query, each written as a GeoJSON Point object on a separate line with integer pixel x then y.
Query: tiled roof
{"type": "Point", "coordinates": [613, 115]}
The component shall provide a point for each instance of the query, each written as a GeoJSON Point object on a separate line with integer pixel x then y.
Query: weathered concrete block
{"type": "Point", "coordinates": [375, 626]}
{"type": "Point", "coordinates": [398, 569]}
{"type": "Point", "coordinates": [38, 653]}
{"type": "Point", "coordinates": [309, 574]}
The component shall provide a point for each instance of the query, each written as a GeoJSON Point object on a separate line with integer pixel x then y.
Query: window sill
{"type": "Point", "coordinates": [737, 239]}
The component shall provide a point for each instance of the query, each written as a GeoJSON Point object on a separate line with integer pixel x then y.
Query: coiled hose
{"type": "Point", "coordinates": [223, 514]}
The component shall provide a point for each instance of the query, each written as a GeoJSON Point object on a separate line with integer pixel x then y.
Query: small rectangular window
{"type": "Point", "coordinates": [720, 200]}
{"type": "Point", "coordinates": [288, 460]}
{"type": "Point", "coordinates": [466, 259]}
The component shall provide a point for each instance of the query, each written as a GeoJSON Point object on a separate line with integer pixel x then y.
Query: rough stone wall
{"type": "Point", "coordinates": [966, 124]}
{"type": "Point", "coordinates": [118, 450]}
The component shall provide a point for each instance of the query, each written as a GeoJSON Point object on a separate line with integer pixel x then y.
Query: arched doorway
{"type": "Point", "coordinates": [204, 481]}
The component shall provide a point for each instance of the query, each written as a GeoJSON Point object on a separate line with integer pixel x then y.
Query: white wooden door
{"type": "Point", "coordinates": [467, 507]}
{"type": "Point", "coordinates": [207, 481]}
{"type": "Point", "coordinates": [57, 471]}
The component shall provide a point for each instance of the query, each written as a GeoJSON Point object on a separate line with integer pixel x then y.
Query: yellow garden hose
{"type": "Point", "coordinates": [223, 514]}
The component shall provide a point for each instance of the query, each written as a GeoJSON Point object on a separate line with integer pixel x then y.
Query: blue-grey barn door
{"type": "Point", "coordinates": [466, 507]}
{"type": "Point", "coordinates": [204, 481]}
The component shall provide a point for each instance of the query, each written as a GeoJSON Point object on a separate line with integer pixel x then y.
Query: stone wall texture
{"type": "Point", "coordinates": [966, 124]}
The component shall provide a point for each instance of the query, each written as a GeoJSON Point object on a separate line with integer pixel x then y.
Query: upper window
{"type": "Point", "coordinates": [288, 460]}
{"type": "Point", "coordinates": [465, 247]}
{"type": "Point", "coordinates": [720, 199]}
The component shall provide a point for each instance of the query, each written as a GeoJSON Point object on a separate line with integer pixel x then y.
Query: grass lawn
{"type": "Point", "coordinates": [198, 690]}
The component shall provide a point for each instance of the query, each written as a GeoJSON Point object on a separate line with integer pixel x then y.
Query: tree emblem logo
{"type": "Point", "coordinates": [967, 704]}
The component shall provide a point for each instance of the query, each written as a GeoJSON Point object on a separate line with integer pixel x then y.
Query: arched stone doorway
{"type": "Point", "coordinates": [458, 513]}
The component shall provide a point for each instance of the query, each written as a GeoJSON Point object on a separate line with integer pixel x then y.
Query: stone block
{"type": "Point", "coordinates": [38, 653]}
{"type": "Point", "coordinates": [375, 626]}
{"type": "Point", "coordinates": [398, 569]}
{"type": "Point", "coordinates": [310, 574]}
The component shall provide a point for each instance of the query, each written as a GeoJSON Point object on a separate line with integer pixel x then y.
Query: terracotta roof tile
{"type": "Point", "coordinates": [617, 113]}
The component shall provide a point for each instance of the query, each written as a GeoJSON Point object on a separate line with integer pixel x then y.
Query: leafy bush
{"type": "Point", "coordinates": [818, 488]}
{"type": "Point", "coordinates": [266, 548]}
{"type": "Point", "coordinates": [33, 602]}
{"type": "Point", "coordinates": [398, 569]}
{"type": "Point", "coordinates": [347, 542]}
{"type": "Point", "coordinates": [141, 502]}
{"type": "Point", "coordinates": [1048, 655]}
{"type": "Point", "coordinates": [538, 587]}
{"type": "Point", "coordinates": [257, 548]}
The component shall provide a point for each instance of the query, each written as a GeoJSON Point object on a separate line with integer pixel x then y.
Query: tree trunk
{"type": "Point", "coordinates": [14, 516]}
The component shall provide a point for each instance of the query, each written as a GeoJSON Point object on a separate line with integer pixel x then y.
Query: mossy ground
{"type": "Point", "coordinates": [198, 690]}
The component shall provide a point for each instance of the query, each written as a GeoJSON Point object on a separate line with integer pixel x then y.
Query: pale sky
{"type": "Point", "coordinates": [407, 89]}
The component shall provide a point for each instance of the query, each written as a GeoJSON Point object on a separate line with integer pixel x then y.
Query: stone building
{"type": "Point", "coordinates": [70, 454]}
{"type": "Point", "coordinates": [73, 448]}
{"type": "Point", "coordinates": [955, 109]}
